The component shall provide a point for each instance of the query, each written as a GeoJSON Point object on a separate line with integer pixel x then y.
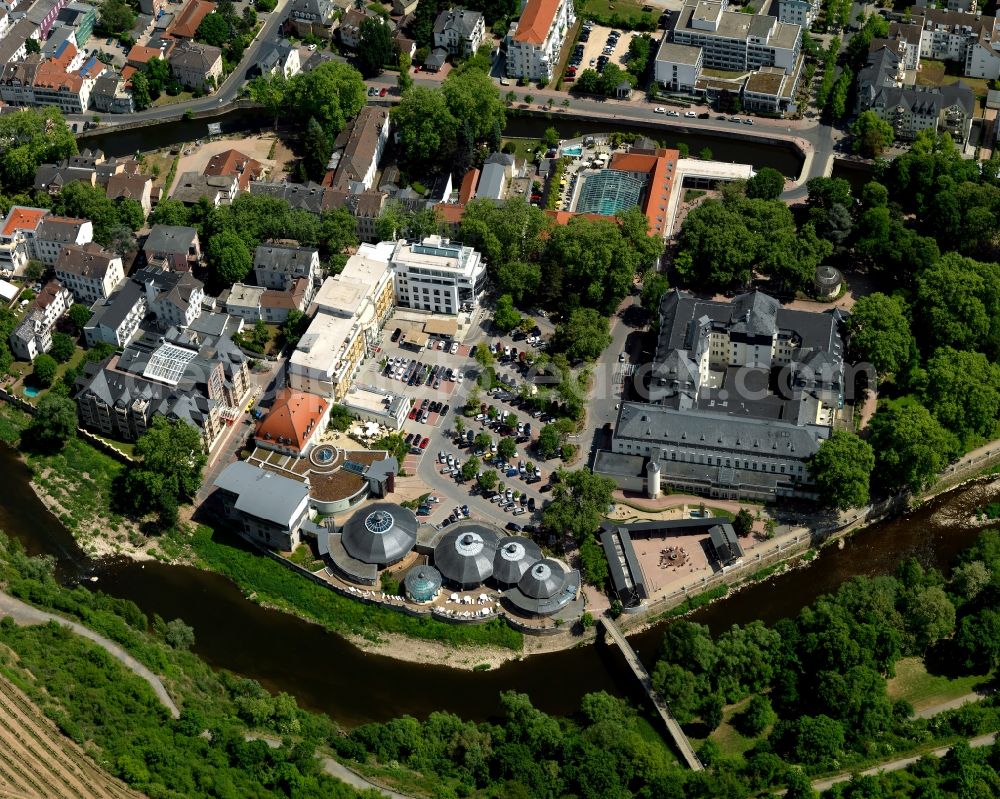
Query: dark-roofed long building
{"type": "Point", "coordinates": [741, 394]}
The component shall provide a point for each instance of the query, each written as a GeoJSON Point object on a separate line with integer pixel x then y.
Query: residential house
{"type": "Point", "coordinates": [51, 178]}
{"type": "Point", "coordinates": [437, 275]}
{"type": "Point", "coordinates": [498, 171]}
{"type": "Point", "coordinates": [151, 7]}
{"type": "Point", "coordinates": [459, 31]}
{"type": "Point", "coordinates": [17, 237]}
{"type": "Point", "coordinates": [110, 95]}
{"type": "Point", "coordinates": [57, 232]}
{"type": "Point", "coordinates": [267, 507]}
{"type": "Point", "coordinates": [309, 197]}
{"type": "Point", "coordinates": [535, 41]}
{"type": "Point", "coordinates": [185, 24]}
{"type": "Point", "coordinates": [358, 149]}
{"type": "Point", "coordinates": [436, 60]}
{"type": "Point", "coordinates": [312, 17]}
{"type": "Point", "coordinates": [89, 271]}
{"type": "Point", "coordinates": [14, 45]}
{"type": "Point", "coordinates": [125, 186]}
{"type": "Point", "coordinates": [277, 266]}
{"type": "Point", "coordinates": [403, 8]}
{"type": "Point", "coordinates": [911, 109]}
{"type": "Point", "coordinates": [174, 298]}
{"type": "Point", "coordinates": [233, 163]}
{"type": "Point", "coordinates": [33, 335]}
{"type": "Point", "coordinates": [279, 58]}
{"type": "Point", "coordinates": [197, 66]}
{"type": "Point", "coordinates": [192, 187]}
{"type": "Point", "coordinates": [43, 13]}
{"type": "Point", "coordinates": [176, 244]}
{"type": "Point", "coordinates": [272, 306]}
{"type": "Point", "coordinates": [350, 26]}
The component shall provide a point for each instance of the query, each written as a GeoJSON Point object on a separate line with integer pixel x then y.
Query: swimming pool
{"type": "Point", "coordinates": [30, 391]}
{"type": "Point", "coordinates": [576, 152]}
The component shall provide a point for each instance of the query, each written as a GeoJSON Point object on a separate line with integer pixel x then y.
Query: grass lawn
{"type": "Point", "coordinates": [627, 10]}
{"type": "Point", "coordinates": [730, 741]}
{"type": "Point", "coordinates": [723, 74]}
{"type": "Point", "coordinates": [920, 689]}
{"type": "Point", "coordinates": [166, 99]}
{"type": "Point", "coordinates": [938, 73]}
{"type": "Point", "coordinates": [524, 148]}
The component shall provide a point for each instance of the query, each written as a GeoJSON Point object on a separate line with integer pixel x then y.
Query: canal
{"type": "Point", "coordinates": [783, 157]}
{"type": "Point", "coordinates": [326, 673]}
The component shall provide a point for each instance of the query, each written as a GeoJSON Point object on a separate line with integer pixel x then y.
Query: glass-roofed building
{"type": "Point", "coordinates": [608, 191]}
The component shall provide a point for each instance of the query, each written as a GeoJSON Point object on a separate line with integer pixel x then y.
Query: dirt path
{"type": "Point", "coordinates": [26, 615]}
{"type": "Point", "coordinates": [901, 763]}
{"type": "Point", "coordinates": [951, 704]}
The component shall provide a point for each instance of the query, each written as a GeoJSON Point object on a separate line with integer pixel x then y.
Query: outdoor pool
{"type": "Point", "coordinates": [30, 391]}
{"type": "Point", "coordinates": [576, 152]}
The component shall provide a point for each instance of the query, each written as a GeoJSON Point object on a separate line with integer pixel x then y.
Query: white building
{"type": "Point", "coordinates": [89, 271]}
{"type": "Point", "coordinates": [277, 266]}
{"type": "Point", "coordinates": [437, 275]}
{"type": "Point", "coordinates": [678, 66]}
{"type": "Point", "coordinates": [798, 12]}
{"type": "Point", "coordinates": [358, 150]}
{"type": "Point", "coordinates": [737, 42]}
{"type": "Point", "coordinates": [459, 31]}
{"type": "Point", "coordinates": [17, 237]}
{"type": "Point", "coordinates": [57, 232]}
{"type": "Point", "coordinates": [33, 335]}
{"type": "Point", "coordinates": [535, 41]}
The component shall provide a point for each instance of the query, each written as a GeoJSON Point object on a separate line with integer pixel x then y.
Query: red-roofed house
{"type": "Point", "coordinates": [536, 39]}
{"type": "Point", "coordinates": [295, 422]}
{"type": "Point", "coordinates": [186, 23]}
{"type": "Point", "coordinates": [234, 163]}
{"type": "Point", "coordinates": [468, 188]}
{"type": "Point", "coordinates": [17, 237]}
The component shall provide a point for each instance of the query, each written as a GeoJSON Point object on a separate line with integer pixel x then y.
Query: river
{"type": "Point", "coordinates": [326, 673]}
{"type": "Point", "coordinates": [781, 156]}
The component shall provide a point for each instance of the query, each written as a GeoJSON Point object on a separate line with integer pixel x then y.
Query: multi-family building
{"type": "Point", "coordinates": [712, 423]}
{"type": "Point", "coordinates": [312, 17]}
{"type": "Point", "coordinates": [115, 320]}
{"type": "Point", "coordinates": [459, 31]}
{"type": "Point", "coordinates": [350, 26]}
{"type": "Point", "coordinates": [798, 12]}
{"type": "Point", "coordinates": [966, 6]}
{"type": "Point", "coordinates": [277, 266]}
{"type": "Point", "coordinates": [678, 66]}
{"type": "Point", "coordinates": [233, 163]}
{"type": "Point", "coordinates": [535, 41]}
{"type": "Point", "coordinates": [126, 186]}
{"type": "Point", "coordinates": [268, 305]}
{"type": "Point", "coordinates": [64, 80]}
{"type": "Point", "coordinates": [57, 232]}
{"type": "Point", "coordinates": [89, 271]}
{"type": "Point", "coordinates": [33, 335]}
{"type": "Point", "coordinates": [280, 58]}
{"type": "Point", "coordinates": [17, 237]}
{"type": "Point", "coordinates": [14, 45]}
{"type": "Point", "coordinates": [200, 379]}
{"type": "Point", "coordinates": [437, 275]}
{"type": "Point", "coordinates": [358, 150]}
{"type": "Point", "coordinates": [174, 298]}
{"type": "Point", "coordinates": [350, 311]}
{"type": "Point", "coordinates": [178, 245]}
{"type": "Point", "coordinates": [110, 94]}
{"type": "Point", "coordinates": [193, 187]}
{"type": "Point", "coordinates": [77, 19]}
{"type": "Point", "coordinates": [197, 66]}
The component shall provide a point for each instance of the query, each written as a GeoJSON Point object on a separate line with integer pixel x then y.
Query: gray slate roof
{"type": "Point", "coordinates": [381, 533]}
{"type": "Point", "coordinates": [263, 494]}
{"type": "Point", "coordinates": [515, 555]}
{"type": "Point", "coordinates": [465, 554]}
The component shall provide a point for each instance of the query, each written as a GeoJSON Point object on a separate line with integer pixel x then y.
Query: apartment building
{"type": "Point", "coordinates": [678, 66]}
{"type": "Point", "coordinates": [459, 31]}
{"type": "Point", "coordinates": [33, 335]}
{"type": "Point", "coordinates": [64, 80]}
{"type": "Point", "coordinates": [535, 41]}
{"type": "Point", "coordinates": [17, 238]}
{"type": "Point", "coordinates": [269, 305]}
{"type": "Point", "coordinates": [58, 232]}
{"type": "Point", "coordinates": [736, 42]}
{"type": "Point", "coordinates": [115, 320]}
{"type": "Point", "coordinates": [197, 66]}
{"type": "Point", "coordinates": [89, 271]}
{"type": "Point", "coordinates": [173, 297]}
{"type": "Point", "coordinates": [278, 266]}
{"type": "Point", "coordinates": [358, 150]}
{"type": "Point", "coordinates": [178, 245]}
{"type": "Point", "coordinates": [798, 12]}
{"type": "Point", "coordinates": [350, 311]}
{"type": "Point", "coordinates": [437, 275]}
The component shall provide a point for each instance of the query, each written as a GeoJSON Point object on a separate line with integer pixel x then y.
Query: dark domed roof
{"type": "Point", "coordinates": [422, 583]}
{"type": "Point", "coordinates": [514, 557]}
{"type": "Point", "coordinates": [465, 554]}
{"type": "Point", "coordinates": [543, 580]}
{"type": "Point", "coordinates": [827, 276]}
{"type": "Point", "coordinates": [381, 533]}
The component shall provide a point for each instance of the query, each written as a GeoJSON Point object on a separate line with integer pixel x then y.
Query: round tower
{"type": "Point", "coordinates": [653, 479]}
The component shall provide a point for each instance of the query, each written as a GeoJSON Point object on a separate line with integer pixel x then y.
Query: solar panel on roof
{"type": "Point", "coordinates": [356, 468]}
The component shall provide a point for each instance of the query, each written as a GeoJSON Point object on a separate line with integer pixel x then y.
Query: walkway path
{"type": "Point", "coordinates": [900, 763]}
{"type": "Point", "coordinates": [26, 615]}
{"type": "Point", "coordinates": [681, 741]}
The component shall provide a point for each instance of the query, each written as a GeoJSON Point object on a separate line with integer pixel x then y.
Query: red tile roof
{"type": "Point", "coordinates": [187, 22]}
{"type": "Point", "coordinates": [536, 19]}
{"type": "Point", "coordinates": [21, 218]}
{"type": "Point", "coordinates": [468, 188]}
{"type": "Point", "coordinates": [292, 419]}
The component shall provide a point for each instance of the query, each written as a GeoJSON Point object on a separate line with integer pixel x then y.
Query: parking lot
{"type": "Point", "coordinates": [600, 46]}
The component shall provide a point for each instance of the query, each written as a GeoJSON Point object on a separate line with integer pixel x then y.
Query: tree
{"type": "Point", "coordinates": [54, 422]}
{"type": "Point", "coordinates": [45, 368]}
{"type": "Point", "coordinates": [841, 469]}
{"type": "Point", "coordinates": [79, 315]}
{"type": "Point", "coordinates": [332, 93]}
{"type": "Point", "coordinates": [580, 500]}
{"type": "Point", "coordinates": [426, 128]}
{"type": "Point", "coordinates": [116, 17]}
{"type": "Point", "coordinates": [375, 48]}
{"type": "Point", "coordinates": [229, 256]}
{"type": "Point", "coordinates": [757, 717]}
{"type": "Point", "coordinates": [29, 138]}
{"type": "Point", "coordinates": [34, 270]}
{"type": "Point", "coordinates": [158, 75]}
{"type": "Point", "coordinates": [269, 91]}
{"type": "Point", "coordinates": [170, 212]}
{"type": "Point", "coordinates": [653, 289]}
{"type": "Point", "coordinates": [214, 30]}
{"type": "Point", "coordinates": [910, 445]}
{"type": "Point", "coordinates": [482, 442]}
{"type": "Point", "coordinates": [317, 147]}
{"type": "Point", "coordinates": [550, 138]}
{"type": "Point", "coordinates": [62, 348]}
{"type": "Point", "coordinates": [179, 635]}
{"type": "Point", "coordinates": [507, 448]}
{"type": "Point", "coordinates": [504, 315]}
{"type": "Point", "coordinates": [743, 522]}
{"type": "Point", "coordinates": [963, 392]}
{"type": "Point", "coordinates": [817, 739]}
{"type": "Point", "coordinates": [471, 468]}
{"type": "Point", "coordinates": [872, 135]}
{"type": "Point", "coordinates": [879, 330]}
{"type": "Point", "coordinates": [488, 480]}
{"type": "Point", "coordinates": [168, 467]}
{"type": "Point", "coordinates": [294, 326]}
{"type": "Point", "coordinates": [593, 562]}
{"type": "Point", "coordinates": [583, 336]}
{"type": "Point", "coordinates": [958, 305]}
{"type": "Point", "coordinates": [930, 616]}
{"type": "Point", "coordinates": [766, 184]}
{"type": "Point", "coordinates": [405, 80]}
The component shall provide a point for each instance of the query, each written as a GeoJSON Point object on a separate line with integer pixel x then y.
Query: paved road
{"type": "Point", "coordinates": [27, 615]}
{"type": "Point", "coordinates": [900, 763]}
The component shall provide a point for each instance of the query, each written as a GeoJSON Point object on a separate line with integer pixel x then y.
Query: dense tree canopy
{"type": "Point", "coordinates": [583, 335]}
{"type": "Point", "coordinates": [375, 49]}
{"type": "Point", "coordinates": [841, 469]}
{"type": "Point", "coordinates": [580, 500]}
{"type": "Point", "coordinates": [30, 137]}
{"type": "Point", "coordinates": [54, 422]}
{"type": "Point", "coordinates": [910, 445]}
{"type": "Point", "coordinates": [879, 329]}
{"type": "Point", "coordinates": [963, 392]}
